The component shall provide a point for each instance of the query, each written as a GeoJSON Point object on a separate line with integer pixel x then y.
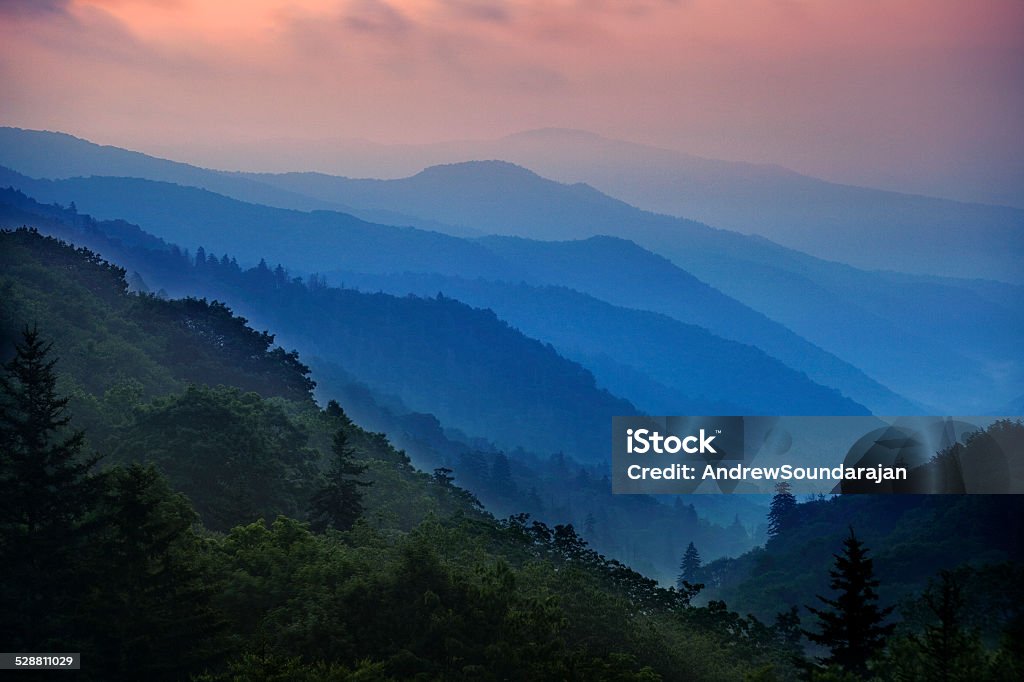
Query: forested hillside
{"type": "Point", "coordinates": [259, 535]}
{"type": "Point", "coordinates": [614, 270]}
{"type": "Point", "coordinates": [508, 480]}
{"type": "Point", "coordinates": [419, 582]}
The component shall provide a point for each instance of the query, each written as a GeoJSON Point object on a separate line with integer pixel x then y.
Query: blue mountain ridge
{"type": "Point", "coordinates": [326, 241]}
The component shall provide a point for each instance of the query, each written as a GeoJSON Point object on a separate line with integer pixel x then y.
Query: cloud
{"type": "Point", "coordinates": [377, 17]}
{"type": "Point", "coordinates": [33, 8]}
{"type": "Point", "coordinates": [491, 11]}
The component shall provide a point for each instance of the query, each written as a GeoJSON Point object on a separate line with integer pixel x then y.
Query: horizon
{"type": "Point", "coordinates": [917, 97]}
{"type": "Point", "coordinates": [264, 164]}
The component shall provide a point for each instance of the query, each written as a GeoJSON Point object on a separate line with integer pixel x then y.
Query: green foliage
{"type": "Point", "coordinates": [782, 510]}
{"type": "Point", "coordinates": [47, 490]}
{"type": "Point", "coordinates": [688, 567]}
{"type": "Point", "coordinates": [106, 337]}
{"type": "Point", "coordinates": [339, 503]}
{"type": "Point", "coordinates": [415, 581]}
{"type": "Point", "coordinates": [236, 455]}
{"type": "Point", "coordinates": [148, 611]}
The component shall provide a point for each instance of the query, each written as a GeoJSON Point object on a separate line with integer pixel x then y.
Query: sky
{"type": "Point", "coordinates": [924, 95]}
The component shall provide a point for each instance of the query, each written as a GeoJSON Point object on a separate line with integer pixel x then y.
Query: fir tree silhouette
{"type": "Point", "coordinates": [852, 625]}
{"type": "Point", "coordinates": [47, 489]}
{"type": "Point", "coordinates": [689, 566]}
{"type": "Point", "coordinates": [339, 504]}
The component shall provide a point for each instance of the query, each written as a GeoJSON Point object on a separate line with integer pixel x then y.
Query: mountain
{"type": "Point", "coordinates": [439, 355]}
{"type": "Point", "coordinates": [662, 364]}
{"type": "Point", "coordinates": [896, 327]}
{"type": "Point", "coordinates": [523, 480]}
{"type": "Point", "coordinates": [328, 241]}
{"type": "Point", "coordinates": [867, 228]}
{"type": "Point", "coordinates": [52, 155]}
{"type": "Point", "coordinates": [318, 240]}
{"type": "Point", "coordinates": [911, 333]}
{"type": "Point", "coordinates": [226, 594]}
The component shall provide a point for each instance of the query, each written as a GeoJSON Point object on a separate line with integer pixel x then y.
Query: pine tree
{"type": "Point", "coordinates": [47, 489]}
{"type": "Point", "coordinates": [501, 476]}
{"type": "Point", "coordinates": [945, 651]}
{"type": "Point", "coordinates": [851, 628]}
{"type": "Point", "coordinates": [782, 509]}
{"type": "Point", "coordinates": [149, 613]}
{"type": "Point", "coordinates": [339, 504]}
{"type": "Point", "coordinates": [689, 566]}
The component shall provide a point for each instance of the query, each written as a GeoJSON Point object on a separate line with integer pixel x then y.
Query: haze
{"type": "Point", "coordinates": [918, 96]}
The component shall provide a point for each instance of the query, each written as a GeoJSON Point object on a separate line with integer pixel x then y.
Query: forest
{"type": "Point", "coordinates": [259, 534]}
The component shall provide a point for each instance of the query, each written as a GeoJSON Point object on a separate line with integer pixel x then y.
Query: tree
{"type": "Point", "coordinates": [237, 456]}
{"type": "Point", "coordinates": [782, 508]}
{"type": "Point", "coordinates": [501, 476]}
{"type": "Point", "coordinates": [149, 611]}
{"type": "Point", "coordinates": [443, 477]}
{"type": "Point", "coordinates": [689, 566]}
{"type": "Point", "coordinates": [787, 631]}
{"type": "Point", "coordinates": [946, 650]}
{"type": "Point", "coordinates": [339, 504]}
{"type": "Point", "coordinates": [47, 490]}
{"type": "Point", "coordinates": [851, 628]}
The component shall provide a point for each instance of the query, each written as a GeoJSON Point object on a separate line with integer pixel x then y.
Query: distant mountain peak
{"type": "Point", "coordinates": [493, 167]}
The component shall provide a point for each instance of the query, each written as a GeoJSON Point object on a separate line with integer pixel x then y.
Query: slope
{"type": "Point", "coordinates": [439, 355]}
{"type": "Point", "coordinates": [327, 241]}
{"type": "Point", "coordinates": [871, 319]}
{"type": "Point", "coordinates": [663, 365]}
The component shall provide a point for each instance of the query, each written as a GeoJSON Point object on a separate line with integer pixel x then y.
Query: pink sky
{"type": "Point", "coordinates": [868, 91]}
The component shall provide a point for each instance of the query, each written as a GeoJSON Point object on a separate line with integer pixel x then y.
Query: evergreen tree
{"type": "Point", "coordinates": [851, 628]}
{"type": "Point", "coordinates": [339, 504]}
{"type": "Point", "coordinates": [335, 411]}
{"type": "Point", "coordinates": [501, 476]}
{"type": "Point", "coordinates": [689, 566]}
{"type": "Point", "coordinates": [782, 509]}
{"type": "Point", "coordinates": [149, 612]}
{"type": "Point", "coordinates": [946, 650]}
{"type": "Point", "coordinates": [47, 490]}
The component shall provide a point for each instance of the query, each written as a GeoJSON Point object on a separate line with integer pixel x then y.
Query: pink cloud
{"type": "Point", "coordinates": [852, 88]}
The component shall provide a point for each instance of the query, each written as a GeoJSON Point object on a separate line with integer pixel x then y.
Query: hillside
{"type": "Point", "coordinates": [898, 329]}
{"type": "Point", "coordinates": [336, 241]}
{"type": "Point", "coordinates": [830, 220]}
{"type": "Point", "coordinates": [663, 365]}
{"type": "Point", "coordinates": [911, 538]}
{"type": "Point", "coordinates": [423, 584]}
{"type": "Point", "coordinates": [510, 481]}
{"type": "Point", "coordinates": [439, 355]}
{"type": "Point", "coordinates": [869, 318]}
{"type": "Point", "coordinates": [319, 240]}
